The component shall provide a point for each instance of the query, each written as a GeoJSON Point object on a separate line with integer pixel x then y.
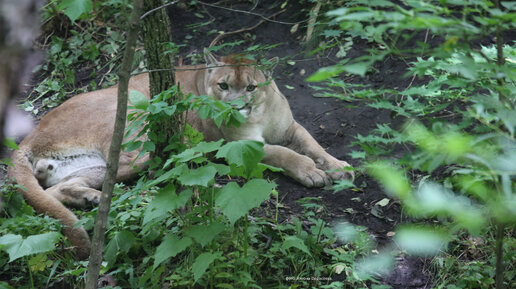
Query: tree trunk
{"type": "Point", "coordinates": [114, 150]}
{"type": "Point", "coordinates": [157, 34]}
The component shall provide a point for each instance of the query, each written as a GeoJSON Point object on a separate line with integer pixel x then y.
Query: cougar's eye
{"type": "Point", "coordinates": [223, 86]}
{"type": "Point", "coordinates": [251, 87]}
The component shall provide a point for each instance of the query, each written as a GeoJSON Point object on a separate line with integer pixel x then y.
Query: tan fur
{"type": "Point", "coordinates": [74, 139]}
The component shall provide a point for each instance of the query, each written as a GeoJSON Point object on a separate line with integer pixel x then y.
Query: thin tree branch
{"type": "Point", "coordinates": [220, 36]}
{"type": "Point", "coordinates": [252, 13]}
{"type": "Point", "coordinates": [114, 150]}
{"type": "Point", "coordinates": [157, 8]}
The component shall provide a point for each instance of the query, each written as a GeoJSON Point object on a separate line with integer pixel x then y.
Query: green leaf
{"type": "Point", "coordinates": [75, 8]}
{"type": "Point", "coordinates": [359, 68]}
{"type": "Point", "coordinates": [170, 247]}
{"type": "Point", "coordinates": [346, 232]}
{"type": "Point", "coordinates": [10, 143]}
{"type": "Point", "coordinates": [325, 73]}
{"type": "Point", "coordinates": [222, 169]}
{"type": "Point", "coordinates": [132, 146]}
{"type": "Point", "coordinates": [391, 178]}
{"type": "Point", "coordinates": [375, 264]}
{"type": "Point", "coordinates": [149, 146]}
{"type": "Point", "coordinates": [357, 154]}
{"type": "Point", "coordinates": [138, 99]}
{"type": "Point", "coordinates": [202, 262]}
{"type": "Point", "coordinates": [204, 111]}
{"type": "Point", "coordinates": [16, 246]}
{"type": "Point", "coordinates": [420, 241]}
{"type": "Point", "coordinates": [208, 147]}
{"type": "Point", "coordinates": [121, 242]}
{"type": "Point", "coordinates": [246, 153]}
{"type": "Point", "coordinates": [166, 200]}
{"type": "Point", "coordinates": [332, 33]}
{"type": "Point", "coordinates": [203, 234]}
{"type": "Point", "coordinates": [198, 177]}
{"type": "Point", "coordinates": [383, 202]}
{"type": "Point", "coordinates": [235, 201]}
{"type": "Point", "coordinates": [343, 185]}
{"type": "Point", "coordinates": [293, 241]}
{"type": "Point", "coordinates": [236, 118]}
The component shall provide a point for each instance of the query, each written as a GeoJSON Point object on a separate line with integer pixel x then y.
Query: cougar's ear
{"type": "Point", "coordinates": [210, 59]}
{"type": "Point", "coordinates": [270, 65]}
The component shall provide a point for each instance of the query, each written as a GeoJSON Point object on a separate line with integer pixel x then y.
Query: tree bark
{"type": "Point", "coordinates": [114, 150]}
{"type": "Point", "coordinates": [157, 33]}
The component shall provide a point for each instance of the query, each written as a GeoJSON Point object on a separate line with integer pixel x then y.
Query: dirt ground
{"type": "Point", "coordinates": [333, 123]}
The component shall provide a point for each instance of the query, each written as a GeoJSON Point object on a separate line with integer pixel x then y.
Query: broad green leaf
{"type": "Point", "coordinates": [170, 247]}
{"type": "Point", "coordinates": [5, 285]}
{"type": "Point", "coordinates": [235, 201]}
{"type": "Point", "coordinates": [346, 232]}
{"type": "Point", "coordinates": [359, 68]}
{"type": "Point", "coordinates": [222, 169]}
{"type": "Point", "coordinates": [238, 117]}
{"type": "Point", "coordinates": [203, 234]}
{"type": "Point", "coordinates": [138, 99]}
{"type": "Point", "coordinates": [207, 147]}
{"type": "Point", "coordinates": [166, 200]}
{"type": "Point", "coordinates": [204, 111]}
{"type": "Point", "coordinates": [332, 33]}
{"type": "Point", "coordinates": [149, 146]}
{"type": "Point", "coordinates": [374, 265]}
{"type": "Point", "coordinates": [246, 153]}
{"type": "Point", "coordinates": [121, 242]}
{"type": "Point", "coordinates": [75, 8]}
{"type": "Point", "coordinates": [202, 262]}
{"type": "Point", "coordinates": [383, 202]}
{"type": "Point", "coordinates": [293, 241]}
{"type": "Point", "coordinates": [325, 73]}
{"type": "Point", "coordinates": [132, 146]}
{"type": "Point", "coordinates": [435, 200]}
{"type": "Point", "coordinates": [16, 246]}
{"type": "Point", "coordinates": [198, 177]}
{"type": "Point", "coordinates": [391, 178]}
{"type": "Point", "coordinates": [420, 241]}
{"type": "Point", "coordinates": [343, 184]}
{"type": "Point", "coordinates": [357, 154]}
{"type": "Point", "coordinates": [10, 143]}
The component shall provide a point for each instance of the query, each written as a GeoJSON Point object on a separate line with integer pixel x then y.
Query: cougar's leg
{"type": "Point", "coordinates": [303, 143]}
{"type": "Point", "coordinates": [77, 191]}
{"type": "Point", "coordinates": [297, 166]}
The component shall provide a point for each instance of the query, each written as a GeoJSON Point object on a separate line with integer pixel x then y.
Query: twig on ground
{"type": "Point", "coordinates": [269, 239]}
{"type": "Point", "coordinates": [317, 117]}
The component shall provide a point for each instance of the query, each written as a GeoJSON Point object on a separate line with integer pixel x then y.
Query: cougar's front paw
{"type": "Point", "coordinates": [92, 197]}
{"type": "Point", "coordinates": [336, 170]}
{"type": "Point", "coordinates": [306, 172]}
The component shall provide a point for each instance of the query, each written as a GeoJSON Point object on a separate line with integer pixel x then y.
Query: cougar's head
{"type": "Point", "coordinates": [237, 79]}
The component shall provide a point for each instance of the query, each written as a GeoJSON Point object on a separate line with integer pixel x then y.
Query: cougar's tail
{"type": "Point", "coordinates": [42, 202]}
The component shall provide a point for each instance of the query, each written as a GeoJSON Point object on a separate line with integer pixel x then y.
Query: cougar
{"type": "Point", "coordinates": [63, 160]}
